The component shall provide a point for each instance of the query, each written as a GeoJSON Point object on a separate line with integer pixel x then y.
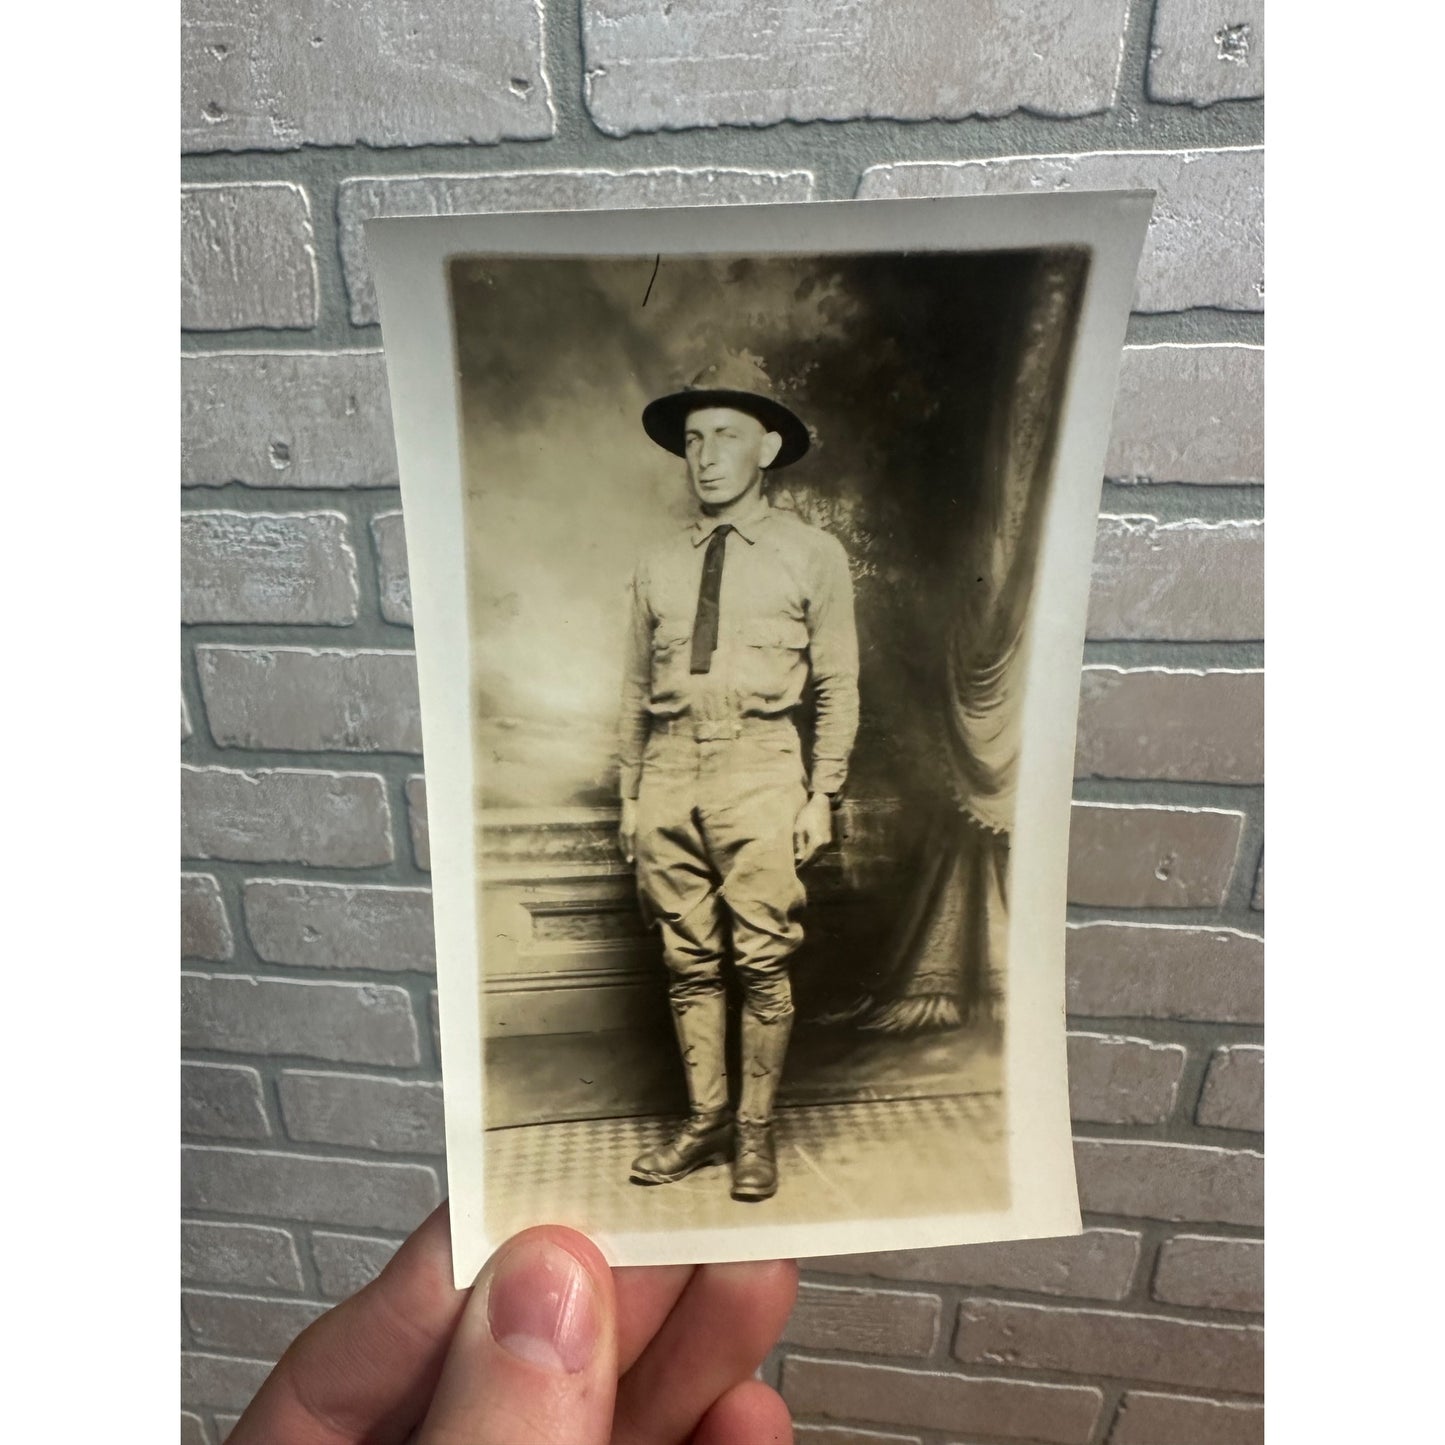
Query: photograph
{"type": "Point", "coordinates": [750, 553]}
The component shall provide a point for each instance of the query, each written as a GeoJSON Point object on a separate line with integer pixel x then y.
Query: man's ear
{"type": "Point", "coordinates": [772, 445]}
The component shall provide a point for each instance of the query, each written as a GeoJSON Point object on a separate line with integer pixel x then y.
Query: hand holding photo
{"type": "Point", "coordinates": [749, 552]}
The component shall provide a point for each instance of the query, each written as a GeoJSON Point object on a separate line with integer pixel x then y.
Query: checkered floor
{"type": "Point", "coordinates": [899, 1157]}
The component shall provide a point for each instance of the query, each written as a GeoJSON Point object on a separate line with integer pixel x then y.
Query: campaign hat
{"type": "Point", "coordinates": [737, 381]}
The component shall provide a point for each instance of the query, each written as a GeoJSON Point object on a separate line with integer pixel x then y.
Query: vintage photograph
{"type": "Point", "coordinates": [751, 546]}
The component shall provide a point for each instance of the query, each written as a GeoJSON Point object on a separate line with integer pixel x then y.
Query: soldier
{"type": "Point", "coordinates": [732, 620]}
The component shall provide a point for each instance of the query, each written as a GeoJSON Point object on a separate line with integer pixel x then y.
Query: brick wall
{"type": "Point", "coordinates": [311, 1102]}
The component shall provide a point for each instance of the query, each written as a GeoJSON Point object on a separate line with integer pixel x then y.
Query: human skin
{"type": "Point", "coordinates": [727, 453]}
{"type": "Point", "coordinates": [549, 1347]}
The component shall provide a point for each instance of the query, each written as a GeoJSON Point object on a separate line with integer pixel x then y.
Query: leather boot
{"type": "Point", "coordinates": [706, 1137]}
{"type": "Point", "coordinates": [764, 1047]}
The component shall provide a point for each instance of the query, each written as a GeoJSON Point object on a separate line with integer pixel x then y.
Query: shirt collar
{"type": "Point", "coordinates": [746, 526]}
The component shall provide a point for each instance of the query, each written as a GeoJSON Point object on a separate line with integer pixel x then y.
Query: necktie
{"type": "Point", "coordinates": [704, 627]}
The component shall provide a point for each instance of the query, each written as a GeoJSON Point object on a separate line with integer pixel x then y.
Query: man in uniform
{"type": "Point", "coordinates": [732, 620]}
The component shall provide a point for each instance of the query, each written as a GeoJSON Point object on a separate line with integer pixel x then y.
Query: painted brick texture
{"type": "Point", "coordinates": [310, 1087]}
{"type": "Point", "coordinates": [324, 1189]}
{"type": "Point", "coordinates": [340, 925]}
{"type": "Point", "coordinates": [266, 77]}
{"type": "Point", "coordinates": [248, 258]}
{"type": "Point", "coordinates": [1189, 413]}
{"type": "Point", "coordinates": [1100, 1342]}
{"type": "Point", "coordinates": [745, 62]}
{"type": "Point", "coordinates": [343, 1022]}
{"type": "Point", "coordinates": [1146, 1418]}
{"type": "Point", "coordinates": [934, 1400]}
{"type": "Point", "coordinates": [346, 1262]}
{"type": "Point", "coordinates": [258, 567]}
{"type": "Point", "coordinates": [286, 419]}
{"type": "Point", "coordinates": [311, 700]}
{"type": "Point", "coordinates": [329, 819]}
{"type": "Point", "coordinates": [250, 1255]}
{"type": "Point", "coordinates": [1202, 51]}
{"type": "Point", "coordinates": [1097, 1264]}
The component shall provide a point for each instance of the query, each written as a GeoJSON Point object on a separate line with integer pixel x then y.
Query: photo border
{"type": "Point", "coordinates": [409, 257]}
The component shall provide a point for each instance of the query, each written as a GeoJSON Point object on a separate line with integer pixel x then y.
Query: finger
{"type": "Point", "coordinates": [645, 1297]}
{"type": "Point", "coordinates": [534, 1357]}
{"type": "Point", "coordinates": [751, 1413]}
{"type": "Point", "coordinates": [366, 1369]}
{"type": "Point", "coordinates": [728, 1318]}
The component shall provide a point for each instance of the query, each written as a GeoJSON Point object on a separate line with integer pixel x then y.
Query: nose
{"type": "Point", "coordinates": [707, 452]}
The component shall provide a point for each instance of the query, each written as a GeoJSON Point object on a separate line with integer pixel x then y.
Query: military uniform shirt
{"type": "Point", "coordinates": [785, 616]}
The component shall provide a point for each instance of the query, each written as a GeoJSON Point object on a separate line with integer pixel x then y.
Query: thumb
{"type": "Point", "coordinates": [534, 1358]}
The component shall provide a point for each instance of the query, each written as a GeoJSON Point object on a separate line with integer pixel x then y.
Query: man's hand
{"type": "Point", "coordinates": [813, 829]}
{"type": "Point", "coordinates": [551, 1347]}
{"type": "Point", "coordinates": [627, 830]}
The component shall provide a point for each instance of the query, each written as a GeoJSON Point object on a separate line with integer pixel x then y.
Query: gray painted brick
{"type": "Point", "coordinates": [286, 419]}
{"type": "Point", "coordinates": [311, 699]}
{"type": "Point", "coordinates": [1213, 1274]}
{"type": "Point", "coordinates": [1187, 581]}
{"type": "Point", "coordinates": [1205, 245]}
{"type": "Point", "coordinates": [217, 1380]}
{"type": "Point", "coordinates": [1122, 1080]}
{"type": "Point", "coordinates": [259, 1256]}
{"type": "Point", "coordinates": [398, 1115]}
{"type": "Point", "coordinates": [1202, 51]}
{"type": "Point", "coordinates": [352, 1193]}
{"type": "Point", "coordinates": [756, 62]}
{"type": "Point", "coordinates": [347, 1262]}
{"type": "Point", "coordinates": [927, 1399]}
{"type": "Point", "coordinates": [388, 536]}
{"type": "Point", "coordinates": [1233, 1096]}
{"type": "Point", "coordinates": [1102, 1342]}
{"type": "Point", "coordinates": [341, 1022]}
{"type": "Point", "coordinates": [285, 815]}
{"type": "Point", "coordinates": [1097, 1264]}
{"type": "Point", "coordinates": [242, 1324]}
{"type": "Point", "coordinates": [1121, 856]}
{"type": "Point", "coordinates": [193, 1430]}
{"type": "Point", "coordinates": [205, 928]}
{"type": "Point", "coordinates": [248, 257]}
{"type": "Point", "coordinates": [1145, 1418]}
{"type": "Point", "coordinates": [1189, 413]}
{"type": "Point", "coordinates": [340, 925]}
{"type": "Point", "coordinates": [417, 815]}
{"type": "Point", "coordinates": [804, 1434]}
{"type": "Point", "coordinates": [222, 1101]}
{"type": "Point", "coordinates": [364, 197]}
{"type": "Point", "coordinates": [295, 567]}
{"type": "Point", "coordinates": [1149, 1180]}
{"type": "Point", "coordinates": [259, 77]}
{"type": "Point", "coordinates": [868, 1321]}
{"type": "Point", "coordinates": [1159, 722]}
{"type": "Point", "coordinates": [1137, 970]}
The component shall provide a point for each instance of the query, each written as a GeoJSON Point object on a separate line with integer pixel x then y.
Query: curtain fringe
{"type": "Point", "coordinates": [920, 1014]}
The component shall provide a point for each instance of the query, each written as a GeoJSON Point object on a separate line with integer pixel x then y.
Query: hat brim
{"type": "Point", "coordinates": [665, 420]}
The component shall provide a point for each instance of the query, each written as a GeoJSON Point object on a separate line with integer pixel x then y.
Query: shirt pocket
{"type": "Point", "coordinates": [772, 663]}
{"type": "Point", "coordinates": [671, 663]}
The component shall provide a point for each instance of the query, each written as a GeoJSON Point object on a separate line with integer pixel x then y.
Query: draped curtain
{"type": "Point", "coordinates": [944, 962]}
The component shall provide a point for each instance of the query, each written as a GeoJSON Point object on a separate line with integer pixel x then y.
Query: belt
{"type": "Point", "coordinates": [702, 731]}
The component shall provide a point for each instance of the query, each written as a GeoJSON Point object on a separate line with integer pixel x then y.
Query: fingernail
{"type": "Point", "coordinates": [542, 1308]}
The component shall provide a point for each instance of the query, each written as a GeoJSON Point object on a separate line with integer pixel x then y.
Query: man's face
{"type": "Point", "coordinates": [726, 453]}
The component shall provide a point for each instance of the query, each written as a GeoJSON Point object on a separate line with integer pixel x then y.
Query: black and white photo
{"type": "Point", "coordinates": [749, 550]}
